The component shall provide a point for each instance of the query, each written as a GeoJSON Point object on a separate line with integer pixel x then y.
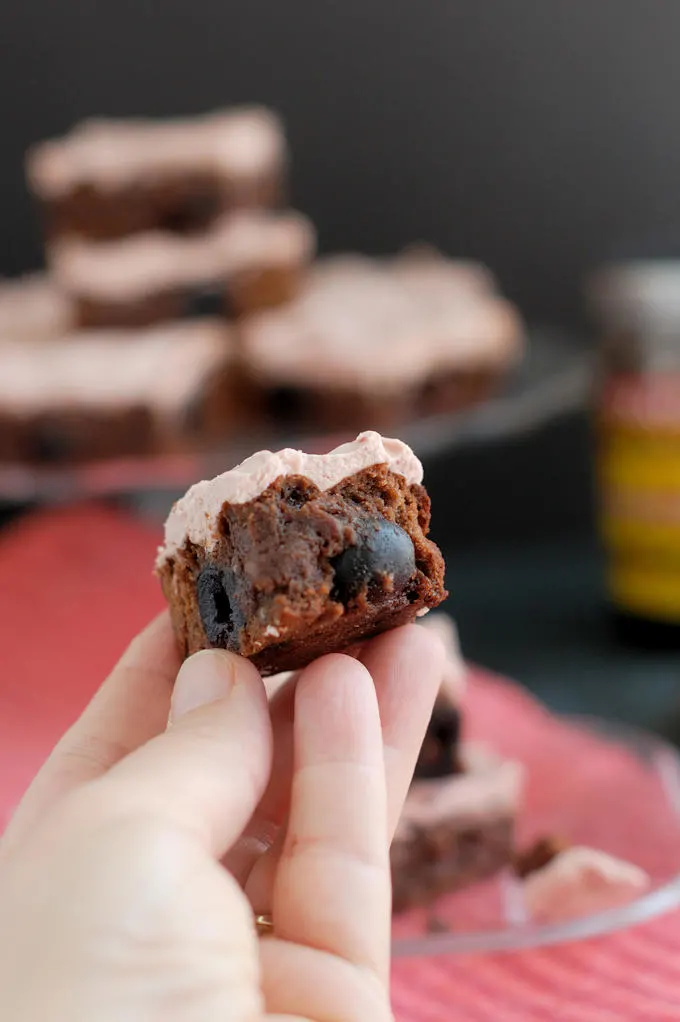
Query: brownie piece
{"type": "Point", "coordinates": [455, 829]}
{"type": "Point", "coordinates": [246, 261]}
{"type": "Point", "coordinates": [33, 307]}
{"type": "Point", "coordinates": [578, 881]}
{"type": "Point", "coordinates": [107, 179]}
{"type": "Point", "coordinates": [291, 555]}
{"type": "Point", "coordinates": [116, 393]}
{"type": "Point", "coordinates": [381, 342]}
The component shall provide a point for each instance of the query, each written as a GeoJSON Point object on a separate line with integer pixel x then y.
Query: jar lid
{"type": "Point", "coordinates": [642, 295]}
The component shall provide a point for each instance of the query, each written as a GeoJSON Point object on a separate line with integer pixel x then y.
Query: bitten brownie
{"type": "Point", "coordinates": [289, 555]}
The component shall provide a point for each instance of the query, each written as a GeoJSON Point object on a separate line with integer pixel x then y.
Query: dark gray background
{"type": "Point", "coordinates": [534, 134]}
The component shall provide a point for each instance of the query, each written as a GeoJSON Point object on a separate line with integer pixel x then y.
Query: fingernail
{"type": "Point", "coordinates": [204, 678]}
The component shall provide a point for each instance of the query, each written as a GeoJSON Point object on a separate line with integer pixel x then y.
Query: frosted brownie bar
{"type": "Point", "coordinates": [111, 178]}
{"type": "Point", "coordinates": [458, 821]}
{"type": "Point", "coordinates": [455, 829]}
{"type": "Point", "coordinates": [113, 393]}
{"type": "Point", "coordinates": [246, 261]}
{"type": "Point", "coordinates": [382, 342]}
{"type": "Point", "coordinates": [292, 555]}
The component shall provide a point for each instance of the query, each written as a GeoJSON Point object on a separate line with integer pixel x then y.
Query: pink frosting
{"type": "Point", "coordinates": [33, 307]}
{"type": "Point", "coordinates": [490, 787]}
{"type": "Point", "coordinates": [111, 154]}
{"type": "Point", "coordinates": [159, 368]}
{"type": "Point", "coordinates": [455, 672]}
{"type": "Point", "coordinates": [581, 881]}
{"type": "Point", "coordinates": [156, 261]}
{"type": "Point", "coordinates": [196, 516]}
{"type": "Point", "coordinates": [361, 324]}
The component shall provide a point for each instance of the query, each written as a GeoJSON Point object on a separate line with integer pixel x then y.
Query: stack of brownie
{"type": "Point", "coordinates": [159, 236]}
{"type": "Point", "coordinates": [168, 244]}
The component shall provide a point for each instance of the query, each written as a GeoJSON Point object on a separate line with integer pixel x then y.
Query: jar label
{"type": "Point", "coordinates": [638, 425]}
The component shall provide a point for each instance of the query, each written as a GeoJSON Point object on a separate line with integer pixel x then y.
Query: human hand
{"type": "Point", "coordinates": [115, 903]}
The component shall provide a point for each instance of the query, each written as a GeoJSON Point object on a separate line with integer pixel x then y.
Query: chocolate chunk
{"type": "Point", "coordinates": [439, 753]}
{"type": "Point", "coordinates": [216, 592]}
{"type": "Point", "coordinates": [381, 561]}
{"type": "Point", "coordinates": [204, 300]}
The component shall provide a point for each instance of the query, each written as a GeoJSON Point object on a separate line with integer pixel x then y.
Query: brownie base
{"type": "Point", "coordinates": [346, 410]}
{"type": "Point", "coordinates": [440, 859]}
{"type": "Point", "coordinates": [69, 435]}
{"type": "Point", "coordinates": [285, 581]}
{"type": "Point", "coordinates": [244, 293]}
{"type": "Point", "coordinates": [182, 204]}
{"type": "Point", "coordinates": [76, 435]}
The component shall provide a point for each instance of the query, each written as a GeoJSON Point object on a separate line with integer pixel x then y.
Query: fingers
{"type": "Point", "coordinates": [335, 854]}
{"type": "Point", "coordinates": [207, 772]}
{"type": "Point", "coordinates": [272, 811]}
{"type": "Point", "coordinates": [407, 666]}
{"type": "Point", "coordinates": [131, 707]}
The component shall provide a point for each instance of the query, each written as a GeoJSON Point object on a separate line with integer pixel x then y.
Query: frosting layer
{"type": "Point", "coordinates": [366, 324]}
{"type": "Point", "coordinates": [112, 154]}
{"type": "Point", "coordinates": [195, 517]}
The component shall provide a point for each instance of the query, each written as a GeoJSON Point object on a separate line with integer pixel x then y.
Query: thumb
{"type": "Point", "coordinates": [208, 770]}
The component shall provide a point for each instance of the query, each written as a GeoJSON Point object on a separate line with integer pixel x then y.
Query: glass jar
{"type": "Point", "coordinates": [637, 305]}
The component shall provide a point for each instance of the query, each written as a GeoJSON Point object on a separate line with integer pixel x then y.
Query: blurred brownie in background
{"type": "Point", "coordinates": [115, 393]}
{"type": "Point", "coordinates": [376, 343]}
{"type": "Point", "coordinates": [34, 307]}
{"type": "Point", "coordinates": [458, 821]}
{"type": "Point", "coordinates": [246, 261]}
{"type": "Point", "coordinates": [457, 828]}
{"type": "Point", "coordinates": [106, 179]}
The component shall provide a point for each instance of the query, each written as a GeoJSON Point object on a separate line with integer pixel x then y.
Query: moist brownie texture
{"type": "Point", "coordinates": [382, 342]}
{"type": "Point", "coordinates": [247, 261]}
{"type": "Point", "coordinates": [455, 829]}
{"type": "Point", "coordinates": [292, 555]}
{"type": "Point", "coordinates": [111, 393]}
{"type": "Point", "coordinates": [107, 178]}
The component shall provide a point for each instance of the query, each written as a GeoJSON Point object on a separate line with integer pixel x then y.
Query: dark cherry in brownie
{"type": "Point", "coordinates": [299, 571]}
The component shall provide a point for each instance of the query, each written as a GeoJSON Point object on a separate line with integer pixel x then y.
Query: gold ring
{"type": "Point", "coordinates": [264, 925]}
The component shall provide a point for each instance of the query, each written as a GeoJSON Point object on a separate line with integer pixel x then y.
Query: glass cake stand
{"type": "Point", "coordinates": [639, 822]}
{"type": "Point", "coordinates": [553, 380]}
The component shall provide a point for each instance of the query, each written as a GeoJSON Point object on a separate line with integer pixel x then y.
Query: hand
{"type": "Point", "coordinates": [115, 903]}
